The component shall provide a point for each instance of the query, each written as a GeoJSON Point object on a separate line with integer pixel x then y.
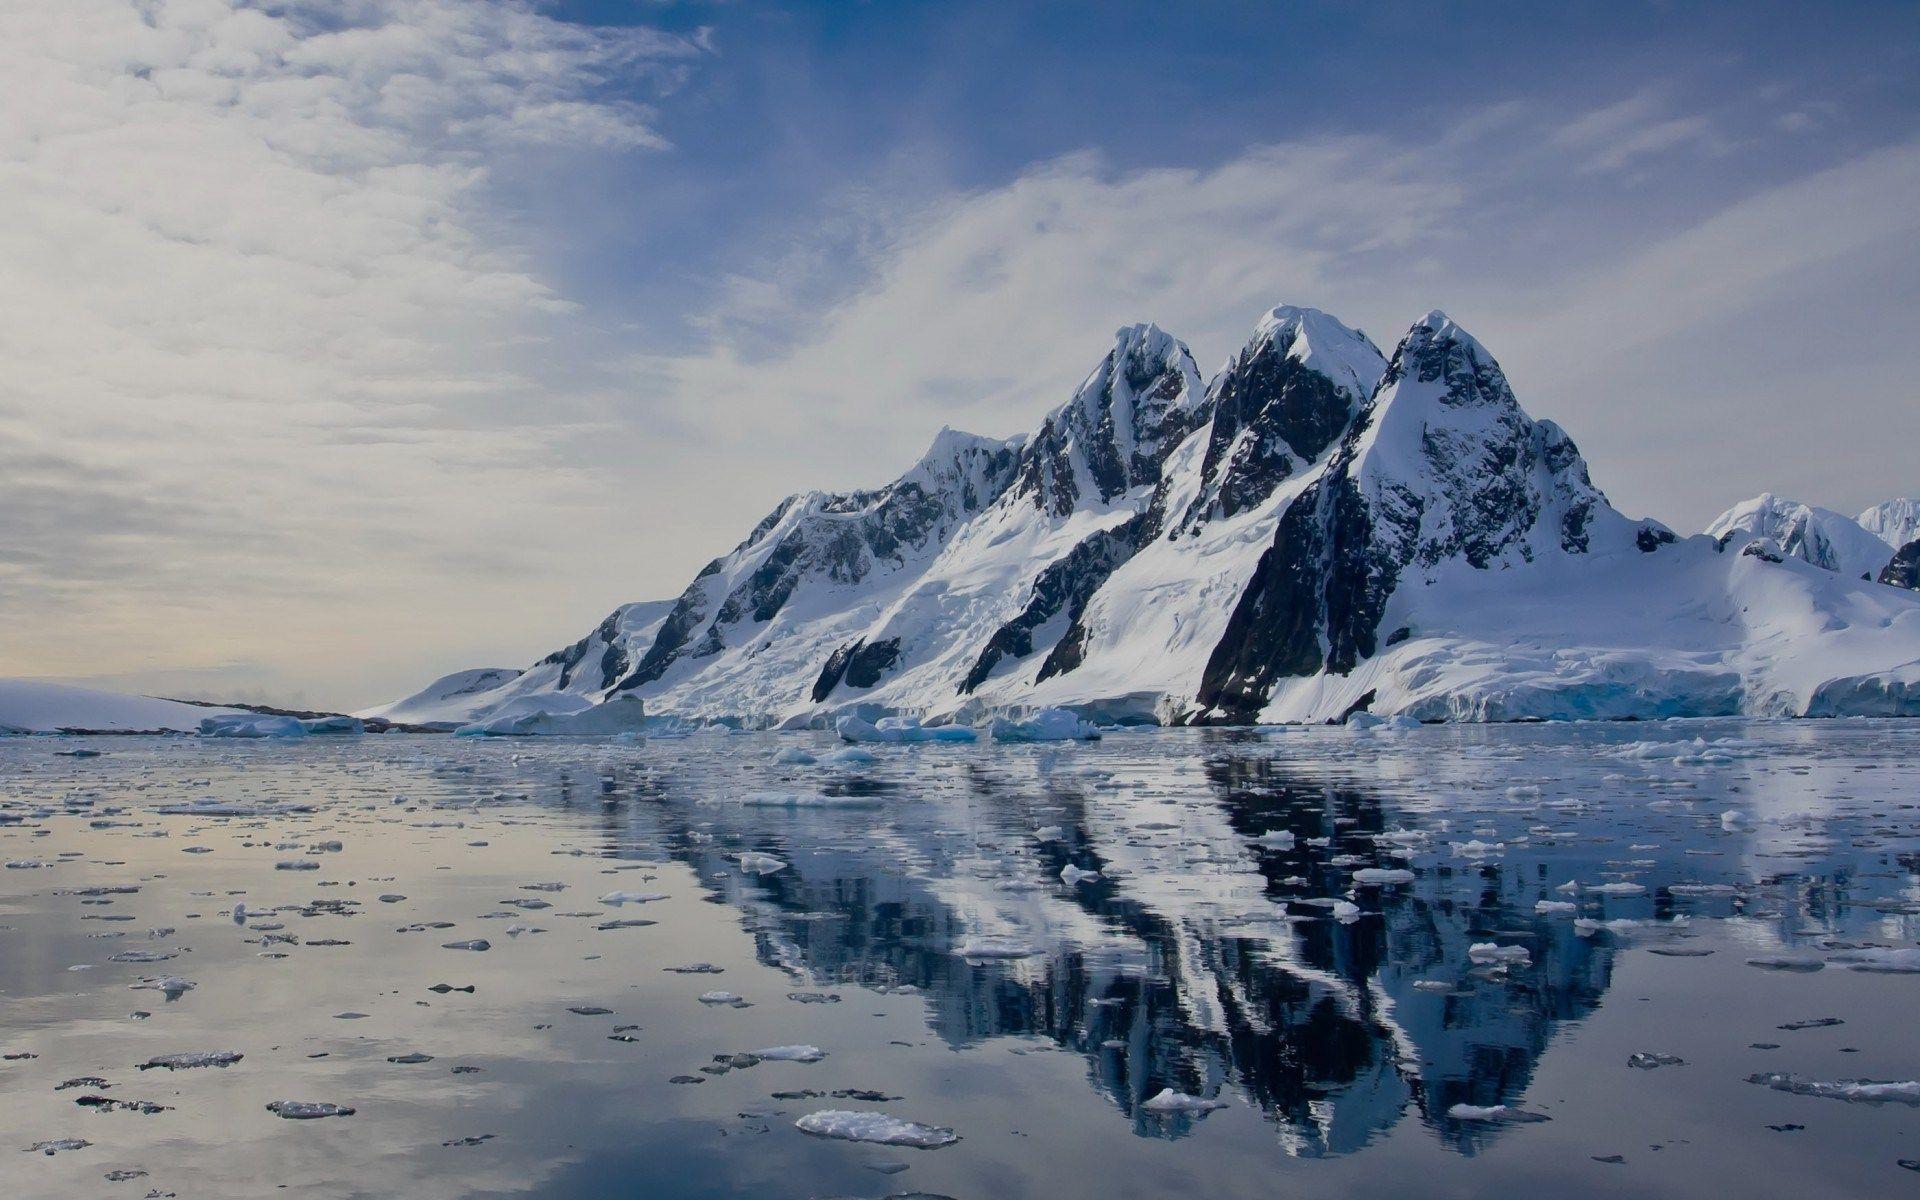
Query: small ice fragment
{"type": "Point", "coordinates": [171, 986]}
{"type": "Point", "coordinates": [632, 897]}
{"type": "Point", "coordinates": [471, 944]}
{"type": "Point", "coordinates": [1382, 876]}
{"type": "Point", "coordinates": [188, 1061]}
{"type": "Point", "coordinates": [1777, 962]}
{"type": "Point", "coordinates": [307, 1110]}
{"type": "Point", "coordinates": [1489, 952]}
{"type": "Point", "coordinates": [1644, 1060]}
{"type": "Point", "coordinates": [875, 1127]}
{"type": "Point", "coordinates": [1854, 1091]}
{"type": "Point", "coordinates": [1494, 1112]}
{"type": "Point", "coordinates": [1170, 1101]}
{"type": "Point", "coordinates": [796, 1053]}
{"type": "Point", "coordinates": [54, 1146]}
{"type": "Point", "coordinates": [1881, 960]}
{"type": "Point", "coordinates": [1071, 874]}
{"type": "Point", "coordinates": [761, 864]}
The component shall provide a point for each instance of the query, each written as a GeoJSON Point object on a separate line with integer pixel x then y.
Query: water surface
{"type": "Point", "coordinates": [1023, 945]}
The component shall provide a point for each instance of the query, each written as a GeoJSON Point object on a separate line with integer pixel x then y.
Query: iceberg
{"type": "Point", "coordinates": [1046, 725]}
{"type": "Point", "coordinates": [901, 729]}
{"type": "Point", "coordinates": [251, 725]}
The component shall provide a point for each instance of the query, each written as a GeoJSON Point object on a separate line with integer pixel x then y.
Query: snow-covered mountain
{"type": "Point", "coordinates": [1817, 535]}
{"type": "Point", "coordinates": [1895, 522]}
{"type": "Point", "coordinates": [1315, 531]}
{"type": "Point", "coordinates": [37, 706]}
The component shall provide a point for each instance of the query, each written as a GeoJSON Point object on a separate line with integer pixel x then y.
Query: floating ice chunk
{"type": "Point", "coordinates": [1279, 839]}
{"type": "Point", "coordinates": [1170, 1101]}
{"type": "Point", "coordinates": [1346, 912]}
{"type": "Point", "coordinates": [849, 756]}
{"type": "Point", "coordinates": [1618, 889]}
{"type": "Point", "coordinates": [251, 725]}
{"type": "Point", "coordinates": [794, 756]}
{"type": "Point", "coordinates": [1382, 876]}
{"type": "Point", "coordinates": [1491, 952]}
{"type": "Point", "coordinates": [192, 1059]}
{"type": "Point", "coordinates": [1478, 849]}
{"type": "Point", "coordinates": [1804, 966]}
{"type": "Point", "coordinates": [1854, 1091]}
{"type": "Point", "coordinates": [1047, 725]}
{"type": "Point", "coordinates": [807, 800]}
{"type": "Point", "coordinates": [796, 1053]}
{"type": "Point", "coordinates": [1646, 1060]}
{"type": "Point", "coordinates": [1547, 907]}
{"type": "Point", "coordinates": [618, 898]}
{"type": "Point", "coordinates": [900, 730]}
{"type": "Point", "coordinates": [210, 807]}
{"type": "Point", "coordinates": [54, 1146]}
{"type": "Point", "coordinates": [1904, 961]}
{"type": "Point", "coordinates": [307, 1110]}
{"type": "Point", "coordinates": [171, 986]}
{"type": "Point", "coordinates": [144, 956]}
{"type": "Point", "coordinates": [1494, 1112]}
{"type": "Point", "coordinates": [875, 1127]}
{"type": "Point", "coordinates": [1071, 874]}
{"type": "Point", "coordinates": [756, 863]}
{"type": "Point", "coordinates": [469, 944]}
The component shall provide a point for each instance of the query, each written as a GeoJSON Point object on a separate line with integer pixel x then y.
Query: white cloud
{"type": "Point", "coordinates": [259, 323]}
{"type": "Point", "coordinates": [1618, 135]}
{"type": "Point", "coordinates": [983, 308]}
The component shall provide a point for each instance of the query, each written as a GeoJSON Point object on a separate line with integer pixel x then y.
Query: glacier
{"type": "Point", "coordinates": [1319, 530]}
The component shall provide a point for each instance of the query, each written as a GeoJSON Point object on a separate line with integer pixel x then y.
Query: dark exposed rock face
{"type": "Point", "coordinates": [1273, 411]}
{"type": "Point", "coordinates": [1904, 570]}
{"type": "Point", "coordinates": [1442, 464]}
{"type": "Point", "coordinates": [860, 664]}
{"type": "Point", "coordinates": [1273, 414]}
{"type": "Point", "coordinates": [1135, 408]}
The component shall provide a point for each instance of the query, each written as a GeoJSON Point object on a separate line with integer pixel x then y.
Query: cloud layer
{"type": "Point", "coordinates": [274, 370]}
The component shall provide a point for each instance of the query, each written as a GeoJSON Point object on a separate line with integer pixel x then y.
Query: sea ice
{"type": "Point", "coordinates": [875, 1127]}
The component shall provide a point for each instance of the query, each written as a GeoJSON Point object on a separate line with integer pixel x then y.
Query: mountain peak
{"type": "Point", "coordinates": [1895, 522]}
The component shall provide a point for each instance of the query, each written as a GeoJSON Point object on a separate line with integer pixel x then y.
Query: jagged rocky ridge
{"type": "Point", "coordinates": [1316, 531]}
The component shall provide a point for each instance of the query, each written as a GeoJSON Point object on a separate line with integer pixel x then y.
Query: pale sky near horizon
{"type": "Point", "coordinates": [344, 343]}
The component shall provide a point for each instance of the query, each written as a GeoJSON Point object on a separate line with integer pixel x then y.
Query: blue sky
{"type": "Point", "coordinates": [354, 341]}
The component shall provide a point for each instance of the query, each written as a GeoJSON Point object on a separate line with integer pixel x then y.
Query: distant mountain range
{"type": "Point", "coordinates": [1316, 531]}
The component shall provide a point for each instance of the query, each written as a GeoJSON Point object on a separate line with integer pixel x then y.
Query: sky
{"type": "Point", "coordinates": [344, 343]}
